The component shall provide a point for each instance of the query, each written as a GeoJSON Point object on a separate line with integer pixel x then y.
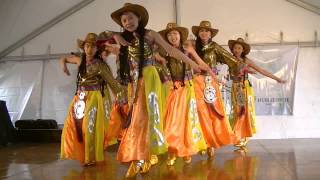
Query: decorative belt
{"type": "Point", "coordinates": [149, 62]}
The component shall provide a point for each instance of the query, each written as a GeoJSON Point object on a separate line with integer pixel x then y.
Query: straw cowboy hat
{"type": "Point", "coordinates": [246, 47]}
{"type": "Point", "coordinates": [137, 9]}
{"type": "Point", "coordinates": [90, 38]}
{"type": "Point", "coordinates": [205, 25]}
{"type": "Point", "coordinates": [173, 26]}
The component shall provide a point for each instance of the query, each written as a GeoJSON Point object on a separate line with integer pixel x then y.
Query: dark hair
{"type": "Point", "coordinates": [199, 46]}
{"type": "Point", "coordinates": [124, 70]}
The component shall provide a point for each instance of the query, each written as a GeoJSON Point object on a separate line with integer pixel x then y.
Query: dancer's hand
{"type": "Point", "coordinates": [64, 67]}
{"type": "Point", "coordinates": [282, 81]}
{"type": "Point", "coordinates": [206, 67]}
{"type": "Point", "coordinates": [246, 69]}
{"type": "Point", "coordinates": [196, 68]}
{"type": "Point", "coordinates": [160, 59]}
{"type": "Point", "coordinates": [66, 70]}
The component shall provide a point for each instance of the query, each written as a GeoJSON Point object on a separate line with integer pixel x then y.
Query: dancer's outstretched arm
{"type": "Point", "coordinates": [263, 71]}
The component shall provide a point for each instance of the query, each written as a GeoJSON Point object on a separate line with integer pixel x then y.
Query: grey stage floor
{"type": "Point", "coordinates": [265, 159]}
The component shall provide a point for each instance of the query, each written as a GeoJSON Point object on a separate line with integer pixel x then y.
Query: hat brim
{"type": "Point", "coordinates": [196, 29]}
{"type": "Point", "coordinates": [81, 43]}
{"type": "Point", "coordinates": [136, 9]}
{"type": "Point", "coordinates": [182, 30]}
{"type": "Point", "coordinates": [246, 47]}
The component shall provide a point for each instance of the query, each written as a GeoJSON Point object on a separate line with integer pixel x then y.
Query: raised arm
{"type": "Point", "coordinates": [263, 71]}
{"type": "Point", "coordinates": [72, 59]}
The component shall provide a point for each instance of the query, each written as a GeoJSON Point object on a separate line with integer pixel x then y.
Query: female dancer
{"type": "Point", "coordinates": [84, 130]}
{"type": "Point", "coordinates": [243, 118]}
{"type": "Point", "coordinates": [144, 135]}
{"type": "Point", "coordinates": [213, 120]}
{"type": "Point", "coordinates": [181, 127]}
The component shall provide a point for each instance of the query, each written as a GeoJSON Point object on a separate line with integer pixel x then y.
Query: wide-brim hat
{"type": "Point", "coordinates": [90, 38]}
{"type": "Point", "coordinates": [173, 26]}
{"type": "Point", "coordinates": [246, 46]}
{"type": "Point", "coordinates": [205, 25]}
{"type": "Point", "coordinates": [137, 9]}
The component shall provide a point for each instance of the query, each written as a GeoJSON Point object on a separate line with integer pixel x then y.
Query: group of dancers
{"type": "Point", "coordinates": [166, 98]}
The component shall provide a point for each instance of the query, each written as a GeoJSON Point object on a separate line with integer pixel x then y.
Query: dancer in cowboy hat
{"type": "Point", "coordinates": [213, 120]}
{"type": "Point", "coordinates": [143, 138]}
{"type": "Point", "coordinates": [84, 130]}
{"type": "Point", "coordinates": [181, 127]}
{"type": "Point", "coordinates": [243, 120]}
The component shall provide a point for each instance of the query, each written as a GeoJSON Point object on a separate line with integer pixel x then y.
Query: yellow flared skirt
{"type": "Point", "coordinates": [85, 143]}
{"type": "Point", "coordinates": [144, 136]}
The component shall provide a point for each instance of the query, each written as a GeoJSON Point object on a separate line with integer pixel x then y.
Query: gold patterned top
{"type": "Point", "coordinates": [214, 53]}
{"type": "Point", "coordinates": [134, 51]}
{"type": "Point", "coordinates": [176, 68]}
{"type": "Point", "coordinates": [239, 74]}
{"type": "Point", "coordinates": [96, 73]}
